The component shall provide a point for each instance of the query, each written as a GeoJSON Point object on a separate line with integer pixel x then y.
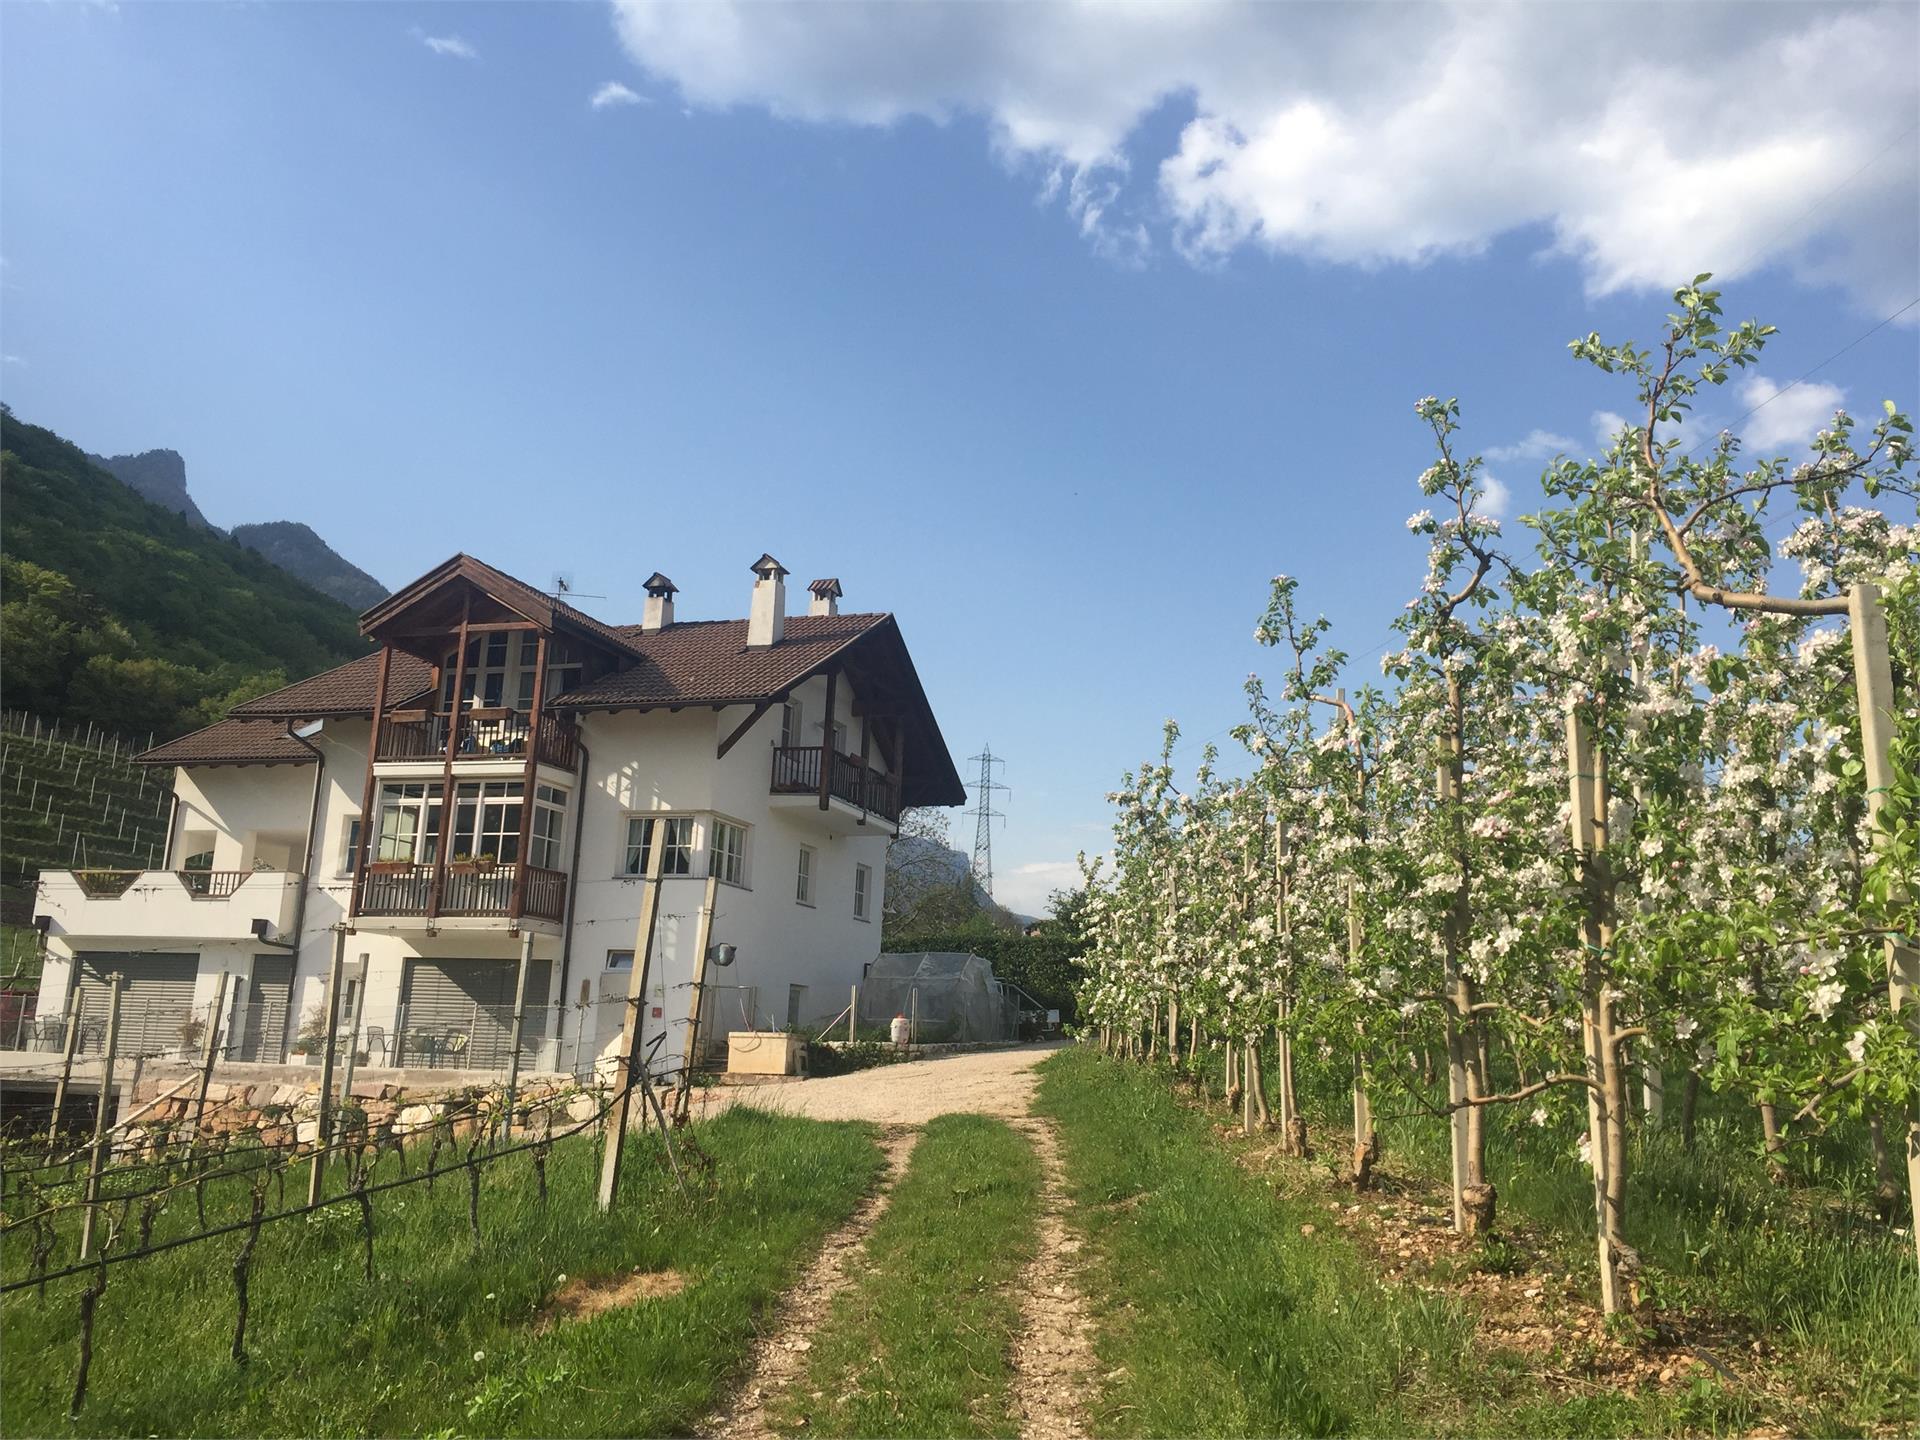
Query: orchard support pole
{"type": "Point", "coordinates": [1873, 678]}
{"type": "Point", "coordinates": [97, 1159]}
{"type": "Point", "coordinates": [519, 1029]}
{"type": "Point", "coordinates": [703, 941]}
{"type": "Point", "coordinates": [323, 1130]}
{"type": "Point", "coordinates": [853, 1016]}
{"type": "Point", "coordinates": [621, 1106]}
{"type": "Point", "coordinates": [1587, 817]}
{"type": "Point", "coordinates": [66, 1057]}
{"type": "Point", "coordinates": [353, 1034]}
{"type": "Point", "coordinates": [209, 1050]}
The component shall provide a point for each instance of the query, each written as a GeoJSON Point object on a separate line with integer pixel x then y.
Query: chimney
{"type": "Point", "coordinates": [659, 611]}
{"type": "Point", "coordinates": [767, 621]}
{"type": "Point", "coordinates": [826, 597]}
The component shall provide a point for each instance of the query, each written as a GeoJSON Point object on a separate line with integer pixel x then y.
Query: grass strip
{"type": "Point", "coordinates": [918, 1345]}
{"type": "Point", "coordinates": [447, 1340]}
{"type": "Point", "coordinates": [1227, 1309]}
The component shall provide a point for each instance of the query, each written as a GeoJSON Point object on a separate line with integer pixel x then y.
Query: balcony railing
{"type": "Point", "coordinates": [468, 891]}
{"type": "Point", "coordinates": [497, 733]}
{"type": "Point", "coordinates": [212, 884]}
{"type": "Point", "coordinates": [796, 771]}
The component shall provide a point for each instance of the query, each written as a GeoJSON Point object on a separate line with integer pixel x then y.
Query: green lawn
{"type": "Point", "coordinates": [1219, 1316]}
{"type": "Point", "coordinates": [918, 1345]}
{"type": "Point", "coordinates": [444, 1341]}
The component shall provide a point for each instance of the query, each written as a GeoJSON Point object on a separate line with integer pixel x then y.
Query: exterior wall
{"type": "Point", "coordinates": [637, 763]}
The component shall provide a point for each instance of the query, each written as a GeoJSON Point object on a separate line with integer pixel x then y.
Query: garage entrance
{"type": "Point", "coordinates": [459, 1013]}
{"type": "Point", "coordinates": [156, 1002]}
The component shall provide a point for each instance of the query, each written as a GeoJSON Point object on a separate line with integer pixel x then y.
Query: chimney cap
{"type": "Point", "coordinates": [766, 567]}
{"type": "Point", "coordinates": [659, 585]}
{"type": "Point", "coordinates": [827, 587]}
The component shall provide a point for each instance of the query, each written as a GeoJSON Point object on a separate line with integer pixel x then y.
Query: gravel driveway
{"type": "Point", "coordinates": [984, 1082]}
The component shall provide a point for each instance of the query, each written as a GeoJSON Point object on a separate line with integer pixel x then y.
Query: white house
{"type": "Point", "coordinates": [774, 753]}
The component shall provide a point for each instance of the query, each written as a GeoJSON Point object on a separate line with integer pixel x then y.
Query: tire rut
{"type": "Point", "coordinates": [1053, 1359]}
{"type": "Point", "coordinates": [780, 1354]}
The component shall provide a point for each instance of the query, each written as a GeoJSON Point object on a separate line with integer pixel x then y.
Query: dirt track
{"type": "Point", "coordinates": [1052, 1357]}
{"type": "Point", "coordinates": [987, 1082]}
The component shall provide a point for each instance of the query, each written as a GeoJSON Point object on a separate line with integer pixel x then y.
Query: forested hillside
{"type": "Point", "coordinates": [126, 614]}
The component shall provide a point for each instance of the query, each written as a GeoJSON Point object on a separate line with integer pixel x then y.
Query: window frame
{"type": "Point", "coordinates": [636, 853]}
{"type": "Point", "coordinates": [791, 719]}
{"type": "Point", "coordinates": [727, 866]}
{"type": "Point", "coordinates": [803, 878]}
{"type": "Point", "coordinates": [618, 969]}
{"type": "Point", "coordinates": [863, 893]}
{"type": "Point", "coordinates": [351, 838]}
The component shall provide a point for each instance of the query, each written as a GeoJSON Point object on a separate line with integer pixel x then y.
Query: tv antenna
{"type": "Point", "coordinates": [563, 588]}
{"type": "Point", "coordinates": [984, 815]}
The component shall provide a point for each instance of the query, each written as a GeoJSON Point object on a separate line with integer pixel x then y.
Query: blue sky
{"type": "Point", "coordinates": [1055, 331]}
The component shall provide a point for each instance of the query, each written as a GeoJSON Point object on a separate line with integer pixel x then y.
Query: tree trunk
{"type": "Point", "coordinates": [1775, 1145]}
{"type": "Point", "coordinates": [1233, 1077]}
{"type": "Point", "coordinates": [1689, 1109]}
{"type": "Point", "coordinates": [1258, 1114]}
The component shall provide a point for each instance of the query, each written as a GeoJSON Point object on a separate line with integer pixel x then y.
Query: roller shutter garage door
{"type": "Point", "coordinates": [460, 1012]}
{"type": "Point", "coordinates": [156, 1001]}
{"type": "Point", "coordinates": [263, 1019]}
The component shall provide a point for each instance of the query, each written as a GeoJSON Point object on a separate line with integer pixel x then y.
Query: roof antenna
{"type": "Point", "coordinates": [563, 588]}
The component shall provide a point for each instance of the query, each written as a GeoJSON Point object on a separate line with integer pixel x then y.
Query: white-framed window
{"type": "Point", "coordinates": [487, 819]}
{"type": "Point", "coordinates": [549, 816]}
{"type": "Point", "coordinates": [803, 878]}
{"type": "Point", "coordinates": [350, 845]}
{"type": "Point", "coordinates": [862, 891]}
{"type": "Point", "coordinates": [619, 959]}
{"type": "Point", "coordinates": [727, 856]}
{"type": "Point", "coordinates": [790, 724]}
{"type": "Point", "coordinates": [409, 822]}
{"type": "Point", "coordinates": [676, 832]}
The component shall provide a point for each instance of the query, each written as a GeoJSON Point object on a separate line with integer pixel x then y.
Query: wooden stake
{"type": "Point", "coordinates": [210, 1047]}
{"type": "Point", "coordinates": [621, 1106]}
{"type": "Point", "coordinates": [66, 1057]}
{"type": "Point", "coordinates": [97, 1158]}
{"type": "Point", "coordinates": [1873, 679]}
{"type": "Point", "coordinates": [323, 1132]}
{"type": "Point", "coordinates": [703, 939]}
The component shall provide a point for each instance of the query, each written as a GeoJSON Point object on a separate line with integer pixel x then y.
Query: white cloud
{"type": "Point", "coordinates": [1024, 889]}
{"type": "Point", "coordinates": [1537, 445]}
{"type": "Point", "coordinates": [1787, 419]}
{"type": "Point", "coordinates": [451, 45]}
{"type": "Point", "coordinates": [1607, 425]}
{"type": "Point", "coordinates": [614, 93]}
{"type": "Point", "coordinates": [12, 360]}
{"type": "Point", "coordinates": [1494, 497]}
{"type": "Point", "coordinates": [1371, 136]}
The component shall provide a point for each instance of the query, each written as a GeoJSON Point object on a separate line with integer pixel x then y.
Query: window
{"type": "Point", "coordinates": [409, 822]}
{"type": "Point", "coordinates": [619, 959]}
{"type": "Point", "coordinates": [549, 814]}
{"type": "Point", "coordinates": [728, 857]}
{"type": "Point", "coordinates": [487, 819]}
{"type": "Point", "coordinates": [350, 849]}
{"type": "Point", "coordinates": [677, 836]}
{"type": "Point", "coordinates": [803, 883]}
{"type": "Point", "coordinates": [862, 890]}
{"type": "Point", "coordinates": [790, 724]}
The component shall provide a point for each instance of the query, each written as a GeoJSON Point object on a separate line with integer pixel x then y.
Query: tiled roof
{"type": "Point", "coordinates": [231, 742]}
{"type": "Point", "coordinates": [344, 690]}
{"type": "Point", "coordinates": [515, 594]}
{"type": "Point", "coordinates": [708, 662]}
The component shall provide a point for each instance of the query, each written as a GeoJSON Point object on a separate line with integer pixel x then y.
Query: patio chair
{"type": "Point", "coordinates": [377, 1040]}
{"type": "Point", "coordinates": [453, 1045]}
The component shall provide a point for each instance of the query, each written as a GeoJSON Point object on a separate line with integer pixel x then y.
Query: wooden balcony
{"type": "Point", "coordinates": [496, 733]}
{"type": "Point", "coordinates": [796, 771]}
{"type": "Point", "coordinates": [468, 892]}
